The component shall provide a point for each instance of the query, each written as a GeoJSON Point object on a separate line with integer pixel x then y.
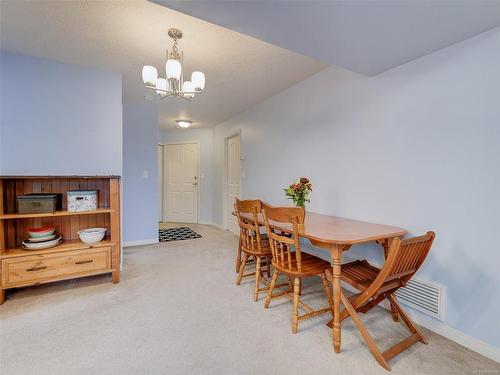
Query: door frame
{"type": "Point", "coordinates": [225, 177]}
{"type": "Point", "coordinates": [164, 183]}
{"type": "Point", "coordinates": [161, 182]}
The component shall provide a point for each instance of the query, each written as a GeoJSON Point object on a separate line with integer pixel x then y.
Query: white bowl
{"type": "Point", "coordinates": [92, 235]}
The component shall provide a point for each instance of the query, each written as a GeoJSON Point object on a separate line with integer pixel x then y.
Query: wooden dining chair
{"type": "Point", "coordinates": [239, 252]}
{"type": "Point", "coordinates": [252, 244]}
{"type": "Point", "coordinates": [288, 259]}
{"type": "Point", "coordinates": [404, 259]}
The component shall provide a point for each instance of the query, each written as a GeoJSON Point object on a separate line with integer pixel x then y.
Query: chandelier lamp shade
{"type": "Point", "coordinates": [174, 84]}
{"type": "Point", "coordinates": [173, 69]}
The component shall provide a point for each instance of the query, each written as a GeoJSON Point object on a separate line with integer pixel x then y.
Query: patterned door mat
{"type": "Point", "coordinates": [177, 234]}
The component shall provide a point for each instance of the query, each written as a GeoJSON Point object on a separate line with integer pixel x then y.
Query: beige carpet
{"type": "Point", "coordinates": [177, 311]}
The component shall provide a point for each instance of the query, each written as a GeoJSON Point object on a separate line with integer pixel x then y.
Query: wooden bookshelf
{"type": "Point", "coordinates": [72, 258]}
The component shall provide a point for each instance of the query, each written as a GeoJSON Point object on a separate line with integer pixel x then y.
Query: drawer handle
{"type": "Point", "coordinates": [84, 261]}
{"type": "Point", "coordinates": [35, 269]}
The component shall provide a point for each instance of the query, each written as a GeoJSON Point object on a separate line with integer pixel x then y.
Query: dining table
{"type": "Point", "coordinates": [338, 234]}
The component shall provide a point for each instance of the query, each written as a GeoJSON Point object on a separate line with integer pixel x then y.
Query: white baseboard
{"type": "Point", "coordinates": [211, 223]}
{"type": "Point", "coordinates": [455, 335]}
{"type": "Point", "coordinates": [218, 226]}
{"type": "Point", "coordinates": [140, 242]}
{"type": "Point", "coordinates": [442, 329]}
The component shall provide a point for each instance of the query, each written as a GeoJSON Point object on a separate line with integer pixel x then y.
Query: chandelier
{"type": "Point", "coordinates": [174, 83]}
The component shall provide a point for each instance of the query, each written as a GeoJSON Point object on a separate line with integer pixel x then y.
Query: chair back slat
{"type": "Point", "coordinates": [250, 236]}
{"type": "Point", "coordinates": [410, 255]}
{"type": "Point", "coordinates": [248, 206]}
{"type": "Point", "coordinates": [285, 249]}
{"type": "Point", "coordinates": [403, 261]}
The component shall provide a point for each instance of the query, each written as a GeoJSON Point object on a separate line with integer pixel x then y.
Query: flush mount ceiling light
{"type": "Point", "coordinates": [184, 123]}
{"type": "Point", "coordinates": [174, 83]}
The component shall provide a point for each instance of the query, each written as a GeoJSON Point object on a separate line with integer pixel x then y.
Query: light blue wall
{"type": "Point", "coordinates": [140, 140]}
{"type": "Point", "coordinates": [417, 146]}
{"type": "Point", "coordinates": [63, 119]}
{"type": "Point", "coordinates": [58, 119]}
{"type": "Point", "coordinates": [205, 139]}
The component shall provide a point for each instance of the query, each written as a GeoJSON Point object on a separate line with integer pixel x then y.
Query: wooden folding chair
{"type": "Point", "coordinates": [252, 244]}
{"type": "Point", "coordinates": [404, 259]}
{"type": "Point", "coordinates": [288, 259]}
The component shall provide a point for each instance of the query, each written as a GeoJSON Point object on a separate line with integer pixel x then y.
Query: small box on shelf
{"type": "Point", "coordinates": [36, 203]}
{"type": "Point", "coordinates": [82, 200]}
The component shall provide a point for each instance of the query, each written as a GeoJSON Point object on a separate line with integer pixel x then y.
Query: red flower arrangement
{"type": "Point", "coordinates": [299, 191]}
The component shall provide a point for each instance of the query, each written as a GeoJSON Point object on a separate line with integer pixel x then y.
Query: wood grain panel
{"type": "Point", "coordinates": [15, 231]}
{"type": "Point", "coordinates": [36, 186]}
{"type": "Point", "coordinates": [91, 219]}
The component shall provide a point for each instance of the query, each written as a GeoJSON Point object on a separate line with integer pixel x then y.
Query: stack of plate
{"type": "Point", "coordinates": [41, 238]}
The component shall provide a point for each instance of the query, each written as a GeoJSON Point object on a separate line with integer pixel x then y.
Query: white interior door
{"type": "Point", "coordinates": [160, 182]}
{"type": "Point", "coordinates": [181, 182]}
{"type": "Point", "coordinates": [233, 181]}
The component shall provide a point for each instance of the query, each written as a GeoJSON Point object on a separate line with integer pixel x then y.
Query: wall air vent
{"type": "Point", "coordinates": [423, 296]}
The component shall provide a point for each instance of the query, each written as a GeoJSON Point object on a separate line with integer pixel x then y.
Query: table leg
{"type": "Point", "coordinates": [336, 268]}
{"type": "Point", "coordinates": [386, 244]}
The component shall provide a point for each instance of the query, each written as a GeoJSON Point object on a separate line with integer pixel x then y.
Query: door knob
{"type": "Point", "coordinates": [195, 184]}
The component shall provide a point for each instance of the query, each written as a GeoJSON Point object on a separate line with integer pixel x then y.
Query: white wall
{"type": "Point", "coordinates": [205, 139]}
{"type": "Point", "coordinates": [417, 146]}
{"type": "Point", "coordinates": [59, 119]}
{"type": "Point", "coordinates": [140, 173]}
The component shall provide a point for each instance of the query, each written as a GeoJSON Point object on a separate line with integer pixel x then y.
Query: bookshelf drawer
{"type": "Point", "coordinates": [37, 269]}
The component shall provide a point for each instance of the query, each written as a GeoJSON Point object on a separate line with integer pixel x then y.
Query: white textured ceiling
{"type": "Point", "coordinates": [125, 35]}
{"type": "Point", "coordinates": [367, 37]}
